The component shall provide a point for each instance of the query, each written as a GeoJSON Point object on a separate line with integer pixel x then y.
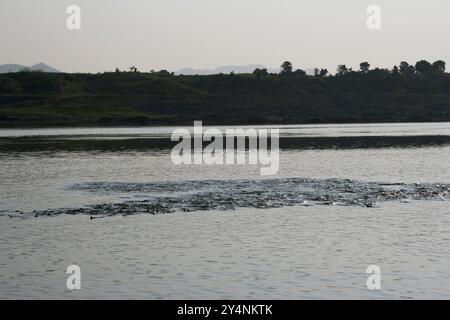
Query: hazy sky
{"type": "Point", "coordinates": [172, 34]}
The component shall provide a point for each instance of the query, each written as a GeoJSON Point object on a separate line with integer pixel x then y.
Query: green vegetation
{"type": "Point", "coordinates": [406, 93]}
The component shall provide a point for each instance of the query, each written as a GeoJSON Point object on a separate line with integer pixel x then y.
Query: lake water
{"type": "Point", "coordinates": [111, 201]}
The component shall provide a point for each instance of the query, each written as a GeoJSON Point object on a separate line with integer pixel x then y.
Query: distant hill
{"type": "Point", "coordinates": [6, 68]}
{"type": "Point", "coordinates": [235, 69]}
{"type": "Point", "coordinates": [225, 70]}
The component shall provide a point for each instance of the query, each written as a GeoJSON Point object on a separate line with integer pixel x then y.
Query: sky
{"type": "Point", "coordinates": [174, 34]}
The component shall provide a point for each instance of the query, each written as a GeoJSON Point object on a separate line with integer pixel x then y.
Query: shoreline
{"type": "Point", "coordinates": [123, 99]}
{"type": "Point", "coordinates": [209, 124]}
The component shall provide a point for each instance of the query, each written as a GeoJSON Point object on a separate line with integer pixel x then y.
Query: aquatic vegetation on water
{"type": "Point", "coordinates": [188, 196]}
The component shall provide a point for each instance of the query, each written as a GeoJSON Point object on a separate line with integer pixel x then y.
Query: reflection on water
{"type": "Point", "coordinates": [40, 144]}
{"type": "Point", "coordinates": [314, 130]}
{"type": "Point", "coordinates": [346, 196]}
{"type": "Point", "coordinates": [291, 137]}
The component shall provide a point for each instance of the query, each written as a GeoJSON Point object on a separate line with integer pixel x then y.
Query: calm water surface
{"type": "Point", "coordinates": [228, 234]}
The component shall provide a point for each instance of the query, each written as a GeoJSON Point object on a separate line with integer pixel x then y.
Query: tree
{"type": "Point", "coordinates": [258, 73]}
{"type": "Point", "coordinates": [410, 71]}
{"type": "Point", "coordinates": [163, 73]}
{"type": "Point", "coordinates": [439, 67]}
{"type": "Point", "coordinates": [424, 67]}
{"type": "Point", "coordinates": [342, 69]}
{"type": "Point", "coordinates": [316, 72]}
{"type": "Point", "coordinates": [323, 73]}
{"type": "Point", "coordinates": [133, 69]}
{"type": "Point", "coordinates": [117, 70]}
{"type": "Point", "coordinates": [364, 67]}
{"type": "Point", "coordinates": [300, 72]}
{"type": "Point", "coordinates": [403, 67]}
{"type": "Point", "coordinates": [286, 67]}
{"type": "Point", "coordinates": [395, 71]}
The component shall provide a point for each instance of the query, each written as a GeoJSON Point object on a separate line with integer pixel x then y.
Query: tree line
{"type": "Point", "coordinates": [422, 67]}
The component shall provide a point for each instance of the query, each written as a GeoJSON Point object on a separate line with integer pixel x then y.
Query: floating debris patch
{"type": "Point", "coordinates": [187, 196]}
